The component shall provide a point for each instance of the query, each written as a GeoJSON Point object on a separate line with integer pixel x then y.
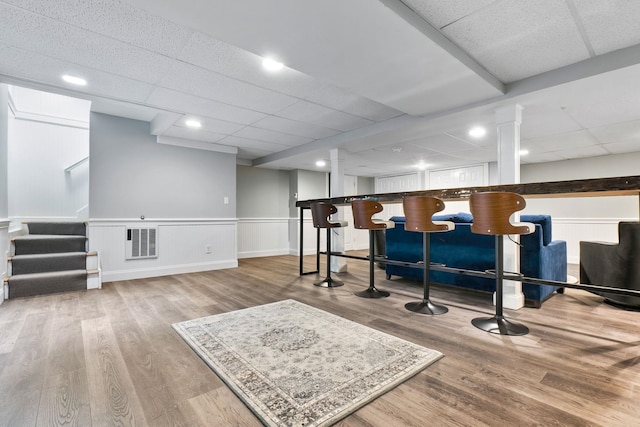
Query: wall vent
{"type": "Point", "coordinates": [141, 243]}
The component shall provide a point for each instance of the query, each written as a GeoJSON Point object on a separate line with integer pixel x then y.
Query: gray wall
{"type": "Point", "coordinates": [262, 193]}
{"type": "Point", "coordinates": [308, 185]}
{"type": "Point", "coordinates": [132, 175]}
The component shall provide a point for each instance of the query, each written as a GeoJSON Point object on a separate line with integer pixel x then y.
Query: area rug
{"type": "Point", "coordinates": [295, 365]}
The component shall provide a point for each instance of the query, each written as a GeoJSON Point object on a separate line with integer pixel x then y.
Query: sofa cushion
{"type": "Point", "coordinates": [545, 223]}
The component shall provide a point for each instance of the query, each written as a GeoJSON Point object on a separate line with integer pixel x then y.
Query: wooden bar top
{"type": "Point", "coordinates": [616, 186]}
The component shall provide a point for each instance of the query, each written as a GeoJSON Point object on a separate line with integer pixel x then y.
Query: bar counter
{"type": "Point", "coordinates": [616, 186]}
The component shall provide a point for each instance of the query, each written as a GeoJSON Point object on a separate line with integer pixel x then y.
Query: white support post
{"type": "Point", "coordinates": [338, 264]}
{"type": "Point", "coordinates": [508, 120]}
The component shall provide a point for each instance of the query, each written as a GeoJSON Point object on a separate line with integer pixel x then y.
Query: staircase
{"type": "Point", "coordinates": [52, 257]}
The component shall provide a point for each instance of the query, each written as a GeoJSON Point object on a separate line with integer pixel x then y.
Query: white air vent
{"type": "Point", "coordinates": [141, 243]}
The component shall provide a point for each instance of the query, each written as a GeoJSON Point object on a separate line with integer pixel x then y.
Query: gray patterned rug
{"type": "Point", "coordinates": [295, 365]}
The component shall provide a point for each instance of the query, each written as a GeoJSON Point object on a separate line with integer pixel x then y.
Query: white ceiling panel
{"type": "Point", "coordinates": [617, 131]}
{"type": "Point", "coordinates": [179, 102]}
{"type": "Point", "coordinates": [212, 125]}
{"type": "Point", "coordinates": [307, 112]}
{"type": "Point", "coordinates": [592, 151]}
{"type": "Point", "coordinates": [46, 70]}
{"type": "Point", "coordinates": [185, 133]}
{"type": "Point", "coordinates": [294, 127]}
{"type": "Point", "coordinates": [610, 25]}
{"type": "Point", "coordinates": [211, 85]}
{"type": "Point", "coordinates": [272, 136]}
{"type": "Point", "coordinates": [571, 140]}
{"type": "Point", "coordinates": [236, 141]}
{"type": "Point", "coordinates": [516, 43]}
{"type": "Point", "coordinates": [115, 19]}
{"type": "Point", "coordinates": [440, 13]}
{"type": "Point", "coordinates": [627, 146]}
{"type": "Point", "coordinates": [443, 143]}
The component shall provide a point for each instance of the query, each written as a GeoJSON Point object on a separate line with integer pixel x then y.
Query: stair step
{"type": "Point", "coordinates": [41, 243]}
{"type": "Point", "coordinates": [40, 263]}
{"type": "Point", "coordinates": [26, 285]}
{"type": "Point", "coordinates": [57, 228]}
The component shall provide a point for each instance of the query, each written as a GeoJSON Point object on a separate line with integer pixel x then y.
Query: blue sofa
{"type": "Point", "coordinates": [540, 257]}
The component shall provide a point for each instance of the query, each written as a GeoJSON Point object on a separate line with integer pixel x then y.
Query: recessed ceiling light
{"type": "Point", "coordinates": [421, 165]}
{"type": "Point", "coordinates": [74, 80]}
{"type": "Point", "coordinates": [194, 124]}
{"type": "Point", "coordinates": [271, 64]}
{"type": "Point", "coordinates": [524, 152]}
{"type": "Point", "coordinates": [477, 132]}
{"type": "Point", "coordinates": [321, 163]}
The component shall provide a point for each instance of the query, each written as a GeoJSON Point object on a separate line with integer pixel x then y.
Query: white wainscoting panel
{"type": "Point", "coordinates": [184, 246]}
{"type": "Point", "coordinates": [573, 230]}
{"type": "Point", "coordinates": [259, 237]}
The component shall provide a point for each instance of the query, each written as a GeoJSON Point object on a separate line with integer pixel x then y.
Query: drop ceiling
{"type": "Point", "coordinates": [391, 83]}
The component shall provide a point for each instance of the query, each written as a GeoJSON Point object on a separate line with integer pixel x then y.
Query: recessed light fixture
{"type": "Point", "coordinates": [477, 132]}
{"type": "Point", "coordinates": [271, 64]}
{"type": "Point", "coordinates": [421, 165]}
{"type": "Point", "coordinates": [193, 124]}
{"type": "Point", "coordinates": [524, 152]}
{"type": "Point", "coordinates": [74, 80]}
{"type": "Point", "coordinates": [321, 163]}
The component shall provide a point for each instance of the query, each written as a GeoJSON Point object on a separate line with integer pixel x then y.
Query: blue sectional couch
{"type": "Point", "coordinates": [540, 256]}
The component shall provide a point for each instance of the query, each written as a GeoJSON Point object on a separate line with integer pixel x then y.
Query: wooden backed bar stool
{"type": "Point", "coordinates": [418, 211]}
{"type": "Point", "coordinates": [363, 210]}
{"type": "Point", "coordinates": [491, 212]}
{"type": "Point", "coordinates": [320, 212]}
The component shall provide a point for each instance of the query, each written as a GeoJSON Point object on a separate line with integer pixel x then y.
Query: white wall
{"type": "Point", "coordinates": [584, 218]}
{"type": "Point", "coordinates": [179, 190]}
{"type": "Point", "coordinates": [4, 200]}
{"type": "Point", "coordinates": [42, 144]}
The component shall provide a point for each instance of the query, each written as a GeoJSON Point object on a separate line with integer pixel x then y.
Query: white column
{"type": "Point", "coordinates": [508, 121]}
{"type": "Point", "coordinates": [338, 264]}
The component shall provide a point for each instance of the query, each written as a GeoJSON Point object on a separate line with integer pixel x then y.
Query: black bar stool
{"type": "Point", "coordinates": [320, 213]}
{"type": "Point", "coordinates": [491, 212]}
{"type": "Point", "coordinates": [418, 211]}
{"type": "Point", "coordinates": [363, 210]}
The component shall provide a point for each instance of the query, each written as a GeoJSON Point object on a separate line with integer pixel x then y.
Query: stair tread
{"type": "Point", "coordinates": [49, 255]}
{"type": "Point", "coordinates": [51, 274]}
{"type": "Point", "coordinates": [50, 236]}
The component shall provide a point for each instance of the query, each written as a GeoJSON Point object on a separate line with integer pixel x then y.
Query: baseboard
{"type": "Point", "coordinates": [144, 273]}
{"type": "Point", "coordinates": [258, 254]}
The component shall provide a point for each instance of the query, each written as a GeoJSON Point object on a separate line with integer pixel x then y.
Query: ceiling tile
{"type": "Point", "coordinates": [610, 25]}
{"type": "Point", "coordinates": [443, 143]}
{"type": "Point", "coordinates": [623, 146]}
{"type": "Point", "coordinates": [75, 45]}
{"type": "Point", "coordinates": [46, 70]}
{"type": "Point", "coordinates": [516, 44]}
{"type": "Point", "coordinates": [183, 103]}
{"type": "Point", "coordinates": [293, 127]}
{"type": "Point", "coordinates": [268, 147]}
{"type": "Point", "coordinates": [115, 19]}
{"type": "Point", "coordinates": [618, 132]}
{"type": "Point", "coordinates": [272, 136]}
{"type": "Point", "coordinates": [212, 125]}
{"type": "Point", "coordinates": [567, 141]}
{"type": "Point", "coordinates": [439, 13]}
{"type": "Point", "coordinates": [307, 112]}
{"type": "Point", "coordinates": [211, 85]}
{"type": "Point", "coordinates": [196, 135]}
{"type": "Point", "coordinates": [591, 151]}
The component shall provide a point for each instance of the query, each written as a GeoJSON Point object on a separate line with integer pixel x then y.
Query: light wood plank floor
{"type": "Point", "coordinates": [110, 357]}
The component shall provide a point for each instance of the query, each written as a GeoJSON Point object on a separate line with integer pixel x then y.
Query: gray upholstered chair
{"type": "Point", "coordinates": [614, 264]}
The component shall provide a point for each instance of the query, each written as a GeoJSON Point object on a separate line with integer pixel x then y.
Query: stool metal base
{"type": "Point", "coordinates": [499, 325]}
{"type": "Point", "coordinates": [426, 307]}
{"type": "Point", "coordinates": [328, 282]}
{"type": "Point", "coordinates": [372, 293]}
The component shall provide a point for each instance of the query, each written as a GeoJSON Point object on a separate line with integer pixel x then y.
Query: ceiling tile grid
{"type": "Point", "coordinates": [610, 24]}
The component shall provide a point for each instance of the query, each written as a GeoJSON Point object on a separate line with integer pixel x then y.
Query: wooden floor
{"type": "Point", "coordinates": [110, 357]}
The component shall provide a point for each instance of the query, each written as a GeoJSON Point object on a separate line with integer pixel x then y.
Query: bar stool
{"type": "Point", "coordinates": [491, 212]}
{"type": "Point", "coordinates": [363, 210]}
{"type": "Point", "coordinates": [320, 213]}
{"type": "Point", "coordinates": [418, 211]}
